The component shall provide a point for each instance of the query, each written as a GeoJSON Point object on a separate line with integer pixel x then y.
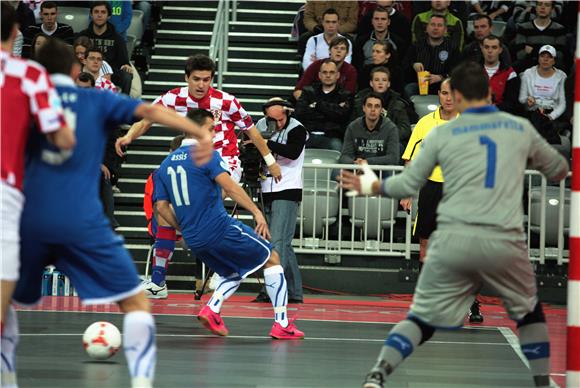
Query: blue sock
{"type": "Point", "coordinates": [162, 252]}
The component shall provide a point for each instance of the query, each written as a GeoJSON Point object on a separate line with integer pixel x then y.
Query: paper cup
{"type": "Point", "coordinates": [423, 79]}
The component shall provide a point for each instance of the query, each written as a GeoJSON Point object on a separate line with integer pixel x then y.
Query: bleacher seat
{"type": "Point", "coordinates": [316, 156]}
{"type": "Point", "coordinates": [314, 213]}
{"type": "Point", "coordinates": [552, 206]}
{"type": "Point", "coordinates": [373, 213]}
{"type": "Point", "coordinates": [131, 43]}
{"type": "Point", "coordinates": [76, 17]}
{"type": "Point", "coordinates": [136, 28]}
{"type": "Point", "coordinates": [425, 104]}
{"type": "Point", "coordinates": [497, 27]}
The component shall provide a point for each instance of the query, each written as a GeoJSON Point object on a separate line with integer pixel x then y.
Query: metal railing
{"type": "Point", "coordinates": [330, 224]}
{"type": "Point", "coordinates": [218, 46]}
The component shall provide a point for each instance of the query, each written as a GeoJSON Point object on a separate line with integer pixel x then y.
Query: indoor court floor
{"type": "Point", "coordinates": [343, 338]}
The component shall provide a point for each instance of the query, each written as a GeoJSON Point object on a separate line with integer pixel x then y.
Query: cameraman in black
{"type": "Point", "coordinates": [281, 199]}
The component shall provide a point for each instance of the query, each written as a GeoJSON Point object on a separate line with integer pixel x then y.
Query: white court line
{"type": "Point", "coordinates": [514, 342]}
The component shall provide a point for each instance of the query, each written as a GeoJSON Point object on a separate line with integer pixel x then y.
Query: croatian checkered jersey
{"type": "Point", "coordinates": [227, 113]}
{"type": "Point", "coordinates": [26, 92]}
{"type": "Point", "coordinates": [105, 84]}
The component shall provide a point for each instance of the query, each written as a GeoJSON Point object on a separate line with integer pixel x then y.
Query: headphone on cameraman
{"type": "Point", "coordinates": [277, 101]}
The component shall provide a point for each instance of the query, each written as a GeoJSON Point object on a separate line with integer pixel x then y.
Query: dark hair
{"type": "Point", "coordinates": [176, 142]}
{"type": "Point", "coordinates": [84, 41]}
{"type": "Point", "coordinates": [330, 11]}
{"type": "Point", "coordinates": [94, 50]}
{"type": "Point", "coordinates": [56, 56]}
{"type": "Point", "coordinates": [480, 16]}
{"type": "Point", "coordinates": [493, 37]}
{"type": "Point", "coordinates": [199, 116]}
{"type": "Point", "coordinates": [199, 62]}
{"type": "Point", "coordinates": [338, 40]}
{"type": "Point", "coordinates": [8, 21]}
{"type": "Point", "coordinates": [373, 94]}
{"type": "Point", "coordinates": [436, 15]}
{"type": "Point", "coordinates": [86, 77]}
{"type": "Point", "coordinates": [470, 80]}
{"type": "Point", "coordinates": [48, 5]}
{"type": "Point", "coordinates": [381, 69]}
{"type": "Point", "coordinates": [381, 9]}
{"type": "Point", "coordinates": [389, 49]}
{"type": "Point", "coordinates": [99, 3]}
{"type": "Point", "coordinates": [33, 43]}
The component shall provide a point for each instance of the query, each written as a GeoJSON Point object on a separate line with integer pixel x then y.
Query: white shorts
{"type": "Point", "coordinates": [235, 167]}
{"type": "Point", "coordinates": [11, 203]}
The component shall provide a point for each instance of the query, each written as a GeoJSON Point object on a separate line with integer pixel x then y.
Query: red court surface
{"type": "Point", "coordinates": [389, 309]}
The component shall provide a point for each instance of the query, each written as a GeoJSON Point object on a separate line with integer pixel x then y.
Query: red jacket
{"type": "Point", "coordinates": [498, 82]}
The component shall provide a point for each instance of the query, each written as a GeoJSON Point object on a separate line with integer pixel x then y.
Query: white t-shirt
{"type": "Point", "coordinates": [318, 46]}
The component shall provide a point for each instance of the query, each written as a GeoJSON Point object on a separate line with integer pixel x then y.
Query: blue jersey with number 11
{"type": "Point", "coordinates": [195, 196]}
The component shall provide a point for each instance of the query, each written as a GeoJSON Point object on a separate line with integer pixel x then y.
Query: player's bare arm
{"type": "Point", "coordinates": [137, 130]}
{"type": "Point", "coordinates": [164, 210]}
{"type": "Point", "coordinates": [64, 138]}
{"type": "Point", "coordinates": [262, 146]}
{"type": "Point", "coordinates": [235, 192]}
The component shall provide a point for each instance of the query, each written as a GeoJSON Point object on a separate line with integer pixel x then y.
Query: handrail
{"type": "Point", "coordinates": [218, 46]}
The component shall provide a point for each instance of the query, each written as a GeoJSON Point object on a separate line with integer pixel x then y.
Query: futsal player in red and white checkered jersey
{"type": "Point", "coordinates": [226, 110]}
{"type": "Point", "coordinates": [27, 93]}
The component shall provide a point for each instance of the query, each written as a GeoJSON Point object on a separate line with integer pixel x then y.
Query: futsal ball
{"type": "Point", "coordinates": [102, 340]}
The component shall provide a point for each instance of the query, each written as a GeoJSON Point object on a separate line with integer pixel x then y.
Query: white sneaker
{"type": "Point", "coordinates": [153, 291]}
{"type": "Point", "coordinates": [214, 281]}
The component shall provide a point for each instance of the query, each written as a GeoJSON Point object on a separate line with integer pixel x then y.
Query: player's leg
{"type": "Point", "coordinates": [163, 250]}
{"type": "Point", "coordinates": [210, 314]}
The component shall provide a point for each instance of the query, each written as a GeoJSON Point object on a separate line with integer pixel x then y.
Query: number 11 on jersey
{"type": "Point", "coordinates": [491, 160]}
{"type": "Point", "coordinates": [183, 180]}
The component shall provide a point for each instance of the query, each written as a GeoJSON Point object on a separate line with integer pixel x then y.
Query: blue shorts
{"type": "Point", "coordinates": [100, 268]}
{"type": "Point", "coordinates": [241, 251]}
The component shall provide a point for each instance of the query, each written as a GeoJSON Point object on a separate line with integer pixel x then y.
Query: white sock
{"type": "Point", "coordinates": [139, 346]}
{"type": "Point", "coordinates": [278, 292]}
{"type": "Point", "coordinates": [226, 288]}
{"type": "Point", "coordinates": [10, 336]}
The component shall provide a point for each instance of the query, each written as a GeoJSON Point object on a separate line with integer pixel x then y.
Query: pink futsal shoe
{"type": "Point", "coordinates": [286, 333]}
{"type": "Point", "coordinates": [212, 321]}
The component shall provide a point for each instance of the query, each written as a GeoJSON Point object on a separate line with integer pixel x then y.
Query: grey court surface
{"type": "Point", "coordinates": [334, 354]}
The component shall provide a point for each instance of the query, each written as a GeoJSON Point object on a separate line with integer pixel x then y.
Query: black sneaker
{"type": "Point", "coordinates": [475, 315]}
{"type": "Point", "coordinates": [377, 376]}
{"type": "Point", "coordinates": [262, 298]}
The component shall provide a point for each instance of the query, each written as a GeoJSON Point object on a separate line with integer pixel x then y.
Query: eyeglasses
{"type": "Point", "coordinates": [97, 59]}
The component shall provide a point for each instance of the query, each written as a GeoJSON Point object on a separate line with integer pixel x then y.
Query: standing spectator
{"type": "Point", "coordinates": [363, 45]}
{"type": "Point", "coordinates": [347, 12]}
{"type": "Point", "coordinates": [542, 94]}
{"type": "Point", "coordinates": [398, 23]}
{"type": "Point", "coordinates": [348, 75]}
{"type": "Point", "coordinates": [383, 55]}
{"type": "Point", "coordinates": [49, 26]}
{"type": "Point", "coordinates": [495, 10]}
{"type": "Point", "coordinates": [121, 15]}
{"type": "Point", "coordinates": [317, 46]}
{"type": "Point", "coordinates": [93, 66]}
{"type": "Point", "coordinates": [372, 138]}
{"type": "Point", "coordinates": [394, 106]}
{"type": "Point", "coordinates": [503, 80]}
{"type": "Point", "coordinates": [537, 33]}
{"type": "Point", "coordinates": [434, 53]}
{"type": "Point", "coordinates": [324, 109]}
{"type": "Point", "coordinates": [454, 30]}
{"type": "Point", "coordinates": [282, 199]}
{"type": "Point", "coordinates": [482, 29]}
{"type": "Point", "coordinates": [104, 37]}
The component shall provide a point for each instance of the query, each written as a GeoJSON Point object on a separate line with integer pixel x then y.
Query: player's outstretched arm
{"type": "Point", "coordinates": [164, 210]}
{"type": "Point", "coordinates": [64, 138]}
{"type": "Point", "coordinates": [137, 130]}
{"type": "Point", "coordinates": [235, 192]}
{"type": "Point", "coordinates": [544, 158]}
{"type": "Point", "coordinates": [262, 146]}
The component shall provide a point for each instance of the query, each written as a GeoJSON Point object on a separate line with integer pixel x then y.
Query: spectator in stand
{"type": "Point", "coordinates": [454, 27]}
{"type": "Point", "coordinates": [348, 75]}
{"type": "Point", "coordinates": [24, 15]}
{"type": "Point", "coordinates": [80, 47]}
{"type": "Point", "coordinates": [503, 80]}
{"type": "Point", "coordinates": [542, 94]}
{"type": "Point", "coordinates": [324, 109]}
{"type": "Point", "coordinates": [17, 46]}
{"type": "Point", "coordinates": [496, 10]}
{"type": "Point", "coordinates": [537, 33]}
{"type": "Point", "coordinates": [93, 66]}
{"type": "Point", "coordinates": [49, 26]}
{"type": "Point", "coordinates": [394, 106]}
{"type": "Point", "coordinates": [121, 14]}
{"type": "Point", "coordinates": [383, 56]}
{"type": "Point", "coordinates": [37, 42]}
{"type": "Point", "coordinates": [363, 45]}
{"type": "Point", "coordinates": [398, 23]}
{"type": "Point", "coordinates": [434, 53]}
{"type": "Point", "coordinates": [104, 37]}
{"type": "Point", "coordinates": [317, 46]}
{"type": "Point", "coordinates": [482, 29]}
{"type": "Point", "coordinates": [347, 12]}
{"type": "Point", "coordinates": [372, 138]}
{"type": "Point", "coordinates": [85, 80]}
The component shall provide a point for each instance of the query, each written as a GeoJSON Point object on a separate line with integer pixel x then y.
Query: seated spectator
{"type": "Point", "coordinates": [503, 80]}
{"type": "Point", "coordinates": [318, 46]}
{"type": "Point", "coordinates": [37, 41]}
{"type": "Point", "coordinates": [482, 29]}
{"type": "Point", "coordinates": [394, 107]}
{"type": "Point", "coordinates": [434, 53]}
{"type": "Point", "coordinates": [324, 109]}
{"type": "Point", "coordinates": [85, 80]}
{"type": "Point", "coordinates": [347, 12]}
{"type": "Point", "coordinates": [93, 66]}
{"type": "Point", "coordinates": [80, 47]}
{"type": "Point", "coordinates": [525, 11]}
{"type": "Point", "coordinates": [104, 37]}
{"type": "Point", "coordinates": [348, 76]}
{"type": "Point", "coordinates": [495, 10]}
{"type": "Point", "coordinates": [49, 26]}
{"type": "Point", "coordinates": [383, 56]}
{"type": "Point", "coordinates": [363, 45]}
{"type": "Point", "coordinates": [542, 94]}
{"type": "Point", "coordinates": [121, 15]}
{"type": "Point", "coordinates": [532, 35]}
{"type": "Point", "coordinates": [398, 23]}
{"type": "Point", "coordinates": [372, 138]}
{"type": "Point", "coordinates": [454, 30]}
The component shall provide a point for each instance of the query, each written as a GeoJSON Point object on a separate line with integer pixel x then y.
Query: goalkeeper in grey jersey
{"type": "Point", "coordinates": [479, 238]}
